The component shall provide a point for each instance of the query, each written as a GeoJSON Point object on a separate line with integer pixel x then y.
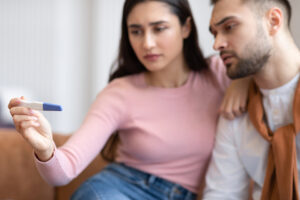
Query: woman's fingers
{"type": "Point", "coordinates": [28, 124]}
{"type": "Point", "coordinates": [239, 107]}
{"type": "Point", "coordinates": [236, 110]}
{"type": "Point", "coordinates": [230, 111]}
{"type": "Point", "coordinates": [20, 118]}
{"type": "Point", "coordinates": [228, 115]}
{"type": "Point", "coordinates": [233, 107]}
{"type": "Point", "coordinates": [24, 121]}
{"type": "Point", "coordinates": [226, 109]}
{"type": "Point", "coordinates": [14, 102]}
{"type": "Point", "coordinates": [33, 127]}
{"type": "Point", "coordinates": [20, 111]}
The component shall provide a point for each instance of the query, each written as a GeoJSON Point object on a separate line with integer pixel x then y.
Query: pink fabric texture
{"type": "Point", "coordinates": [168, 132]}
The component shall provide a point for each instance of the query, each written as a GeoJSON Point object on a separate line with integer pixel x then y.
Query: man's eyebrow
{"type": "Point", "coordinates": [151, 24]}
{"type": "Point", "coordinates": [222, 21]}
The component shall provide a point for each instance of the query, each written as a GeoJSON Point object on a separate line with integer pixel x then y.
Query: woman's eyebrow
{"type": "Point", "coordinates": [151, 24]}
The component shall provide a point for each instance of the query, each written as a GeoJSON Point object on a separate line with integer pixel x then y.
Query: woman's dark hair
{"type": "Point", "coordinates": [127, 62]}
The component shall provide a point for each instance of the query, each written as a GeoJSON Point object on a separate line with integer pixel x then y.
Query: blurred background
{"type": "Point", "coordinates": [61, 51]}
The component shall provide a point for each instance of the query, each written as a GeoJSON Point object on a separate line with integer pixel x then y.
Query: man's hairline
{"type": "Point", "coordinates": [257, 13]}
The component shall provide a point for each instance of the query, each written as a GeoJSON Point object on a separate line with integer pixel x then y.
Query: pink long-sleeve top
{"type": "Point", "coordinates": [168, 132]}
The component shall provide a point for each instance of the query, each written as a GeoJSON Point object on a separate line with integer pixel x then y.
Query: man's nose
{"type": "Point", "coordinates": [220, 43]}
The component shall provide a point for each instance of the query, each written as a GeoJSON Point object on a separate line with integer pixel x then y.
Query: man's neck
{"type": "Point", "coordinates": [283, 66]}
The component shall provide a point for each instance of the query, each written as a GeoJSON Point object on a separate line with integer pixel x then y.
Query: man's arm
{"type": "Point", "coordinates": [226, 178]}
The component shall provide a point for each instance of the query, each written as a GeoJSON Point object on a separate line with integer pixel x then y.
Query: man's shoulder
{"type": "Point", "coordinates": [235, 129]}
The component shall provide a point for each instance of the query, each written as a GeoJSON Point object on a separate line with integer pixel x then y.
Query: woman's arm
{"type": "Point", "coordinates": [235, 98]}
{"type": "Point", "coordinates": [236, 91]}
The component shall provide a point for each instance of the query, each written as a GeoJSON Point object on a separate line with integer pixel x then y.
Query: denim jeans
{"type": "Point", "coordinates": [120, 182]}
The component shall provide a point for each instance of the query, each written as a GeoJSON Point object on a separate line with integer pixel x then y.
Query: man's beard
{"type": "Point", "coordinates": [257, 55]}
{"type": "Point", "coordinates": [248, 66]}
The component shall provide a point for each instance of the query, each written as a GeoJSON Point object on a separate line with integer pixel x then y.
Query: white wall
{"type": "Point", "coordinates": [202, 11]}
{"type": "Point", "coordinates": [72, 61]}
{"type": "Point", "coordinates": [295, 20]}
{"type": "Point", "coordinates": [26, 48]}
{"type": "Point", "coordinates": [61, 51]}
{"type": "Point", "coordinates": [106, 31]}
{"type": "Point", "coordinates": [45, 55]}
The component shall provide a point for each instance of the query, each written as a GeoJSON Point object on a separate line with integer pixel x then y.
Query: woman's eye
{"type": "Point", "coordinates": [136, 32]}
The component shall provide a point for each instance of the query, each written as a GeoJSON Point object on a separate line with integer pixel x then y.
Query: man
{"type": "Point", "coordinates": [254, 40]}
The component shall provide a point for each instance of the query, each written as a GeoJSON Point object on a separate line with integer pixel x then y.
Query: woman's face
{"type": "Point", "coordinates": [156, 35]}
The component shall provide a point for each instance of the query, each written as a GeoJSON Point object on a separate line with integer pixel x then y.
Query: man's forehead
{"type": "Point", "coordinates": [228, 8]}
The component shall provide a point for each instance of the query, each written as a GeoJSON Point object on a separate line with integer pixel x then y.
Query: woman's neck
{"type": "Point", "coordinates": [172, 81]}
{"type": "Point", "coordinates": [170, 77]}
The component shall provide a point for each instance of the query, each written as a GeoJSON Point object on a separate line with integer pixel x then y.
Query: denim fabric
{"type": "Point", "coordinates": [120, 182]}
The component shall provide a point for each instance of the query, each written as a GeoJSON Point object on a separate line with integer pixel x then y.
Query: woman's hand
{"type": "Point", "coordinates": [235, 99]}
{"type": "Point", "coordinates": [34, 128]}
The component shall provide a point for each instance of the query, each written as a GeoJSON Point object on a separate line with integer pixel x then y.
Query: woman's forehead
{"type": "Point", "coordinates": [150, 11]}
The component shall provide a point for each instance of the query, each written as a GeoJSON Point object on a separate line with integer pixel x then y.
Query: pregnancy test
{"type": "Point", "coordinates": [40, 105]}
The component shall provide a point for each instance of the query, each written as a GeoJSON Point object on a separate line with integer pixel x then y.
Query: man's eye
{"type": "Point", "coordinates": [160, 29]}
{"type": "Point", "coordinates": [229, 27]}
{"type": "Point", "coordinates": [214, 34]}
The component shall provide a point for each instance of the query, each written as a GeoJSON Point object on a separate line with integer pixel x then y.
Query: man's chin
{"type": "Point", "coordinates": [228, 65]}
{"type": "Point", "coordinates": [234, 76]}
{"type": "Point", "coordinates": [231, 73]}
{"type": "Point", "coordinates": [230, 69]}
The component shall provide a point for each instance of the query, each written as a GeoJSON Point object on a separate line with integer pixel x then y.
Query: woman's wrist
{"type": "Point", "coordinates": [44, 156]}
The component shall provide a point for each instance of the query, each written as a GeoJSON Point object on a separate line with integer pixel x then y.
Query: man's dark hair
{"type": "Point", "coordinates": [285, 4]}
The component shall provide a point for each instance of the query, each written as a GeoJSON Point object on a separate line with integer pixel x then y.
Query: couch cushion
{"type": "Point", "coordinates": [19, 178]}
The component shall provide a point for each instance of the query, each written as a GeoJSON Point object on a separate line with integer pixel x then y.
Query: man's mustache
{"type": "Point", "coordinates": [228, 52]}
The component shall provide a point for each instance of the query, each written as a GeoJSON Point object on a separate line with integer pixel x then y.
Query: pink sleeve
{"type": "Point", "coordinates": [105, 116]}
{"type": "Point", "coordinates": [218, 68]}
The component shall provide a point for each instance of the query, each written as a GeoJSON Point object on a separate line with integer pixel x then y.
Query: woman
{"type": "Point", "coordinates": [162, 100]}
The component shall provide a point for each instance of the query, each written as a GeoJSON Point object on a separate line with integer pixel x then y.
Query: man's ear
{"type": "Point", "coordinates": [275, 20]}
{"type": "Point", "coordinates": [186, 28]}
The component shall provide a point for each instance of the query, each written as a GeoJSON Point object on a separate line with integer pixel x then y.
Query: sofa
{"type": "Point", "coordinates": [19, 178]}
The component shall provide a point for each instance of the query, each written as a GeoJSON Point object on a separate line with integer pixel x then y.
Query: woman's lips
{"type": "Point", "coordinates": [151, 57]}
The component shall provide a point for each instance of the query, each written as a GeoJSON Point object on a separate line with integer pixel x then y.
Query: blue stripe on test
{"type": "Point", "coordinates": [51, 107]}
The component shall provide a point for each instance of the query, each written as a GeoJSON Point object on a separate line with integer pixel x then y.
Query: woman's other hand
{"type": "Point", "coordinates": [235, 100]}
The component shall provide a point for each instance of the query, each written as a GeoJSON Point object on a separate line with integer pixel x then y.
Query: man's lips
{"type": "Point", "coordinates": [226, 57]}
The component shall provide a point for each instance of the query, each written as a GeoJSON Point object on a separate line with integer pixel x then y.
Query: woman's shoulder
{"type": "Point", "coordinates": [129, 81]}
{"type": "Point", "coordinates": [215, 63]}
{"type": "Point", "coordinates": [120, 89]}
{"type": "Point", "coordinates": [126, 85]}
{"type": "Point", "coordinates": [217, 71]}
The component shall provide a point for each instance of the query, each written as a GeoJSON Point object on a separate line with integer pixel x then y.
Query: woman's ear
{"type": "Point", "coordinates": [186, 28]}
{"type": "Point", "coordinates": [275, 20]}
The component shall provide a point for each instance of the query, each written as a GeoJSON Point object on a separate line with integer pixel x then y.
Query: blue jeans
{"type": "Point", "coordinates": [120, 182]}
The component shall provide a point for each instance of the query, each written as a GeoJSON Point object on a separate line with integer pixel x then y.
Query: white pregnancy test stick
{"type": "Point", "coordinates": [40, 105]}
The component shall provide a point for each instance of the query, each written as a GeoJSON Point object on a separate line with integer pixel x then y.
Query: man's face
{"type": "Point", "coordinates": [240, 37]}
